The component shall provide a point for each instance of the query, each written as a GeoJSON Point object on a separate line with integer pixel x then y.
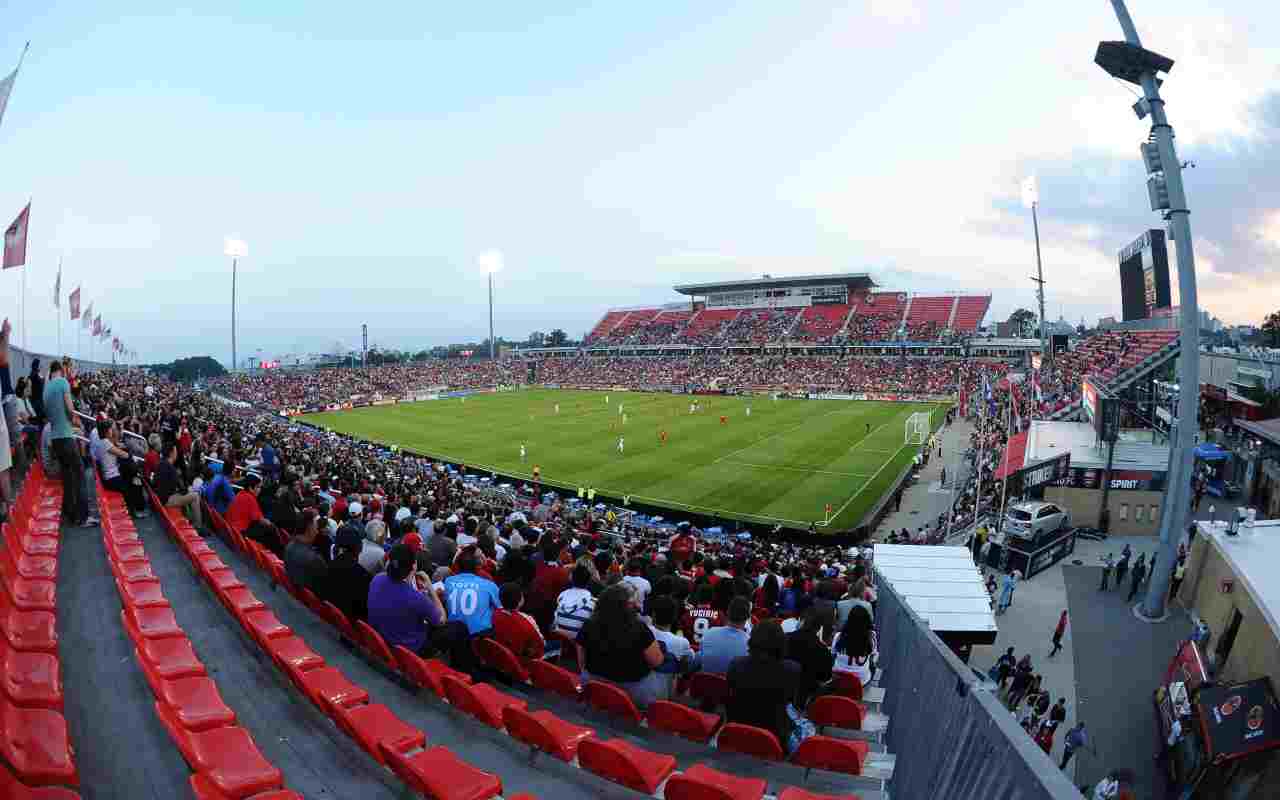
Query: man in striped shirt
{"type": "Point", "coordinates": [575, 604]}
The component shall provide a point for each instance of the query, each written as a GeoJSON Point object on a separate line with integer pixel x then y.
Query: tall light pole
{"type": "Point", "coordinates": [1031, 197]}
{"type": "Point", "coordinates": [237, 249]}
{"type": "Point", "coordinates": [1128, 61]}
{"type": "Point", "coordinates": [491, 263]}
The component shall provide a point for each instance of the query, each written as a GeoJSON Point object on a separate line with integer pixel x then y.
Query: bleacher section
{"type": "Point", "coordinates": [606, 324]}
{"type": "Point", "coordinates": [970, 312]}
{"type": "Point", "coordinates": [1116, 358]}
{"type": "Point", "coordinates": [708, 325]}
{"type": "Point", "coordinates": [820, 323]}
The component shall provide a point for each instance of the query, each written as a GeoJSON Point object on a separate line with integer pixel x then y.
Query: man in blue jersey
{"type": "Point", "coordinates": [469, 600]}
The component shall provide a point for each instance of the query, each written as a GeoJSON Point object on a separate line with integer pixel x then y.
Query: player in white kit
{"type": "Point", "coordinates": [621, 443]}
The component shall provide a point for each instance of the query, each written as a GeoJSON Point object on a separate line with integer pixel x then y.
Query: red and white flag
{"type": "Point", "coordinates": [97, 325]}
{"type": "Point", "coordinates": [57, 288]}
{"type": "Point", "coordinates": [6, 85]}
{"type": "Point", "coordinates": [73, 300]}
{"type": "Point", "coordinates": [88, 316]}
{"type": "Point", "coordinates": [115, 344]}
{"type": "Point", "coordinates": [15, 240]}
{"type": "Point", "coordinates": [106, 331]}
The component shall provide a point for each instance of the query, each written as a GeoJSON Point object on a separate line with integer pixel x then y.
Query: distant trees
{"type": "Point", "coordinates": [1271, 326]}
{"type": "Point", "coordinates": [188, 370]}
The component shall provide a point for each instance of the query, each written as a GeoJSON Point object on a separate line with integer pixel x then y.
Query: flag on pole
{"type": "Point", "coordinates": [73, 302]}
{"type": "Point", "coordinates": [57, 289]}
{"type": "Point", "coordinates": [115, 344]}
{"type": "Point", "coordinates": [15, 240]}
{"type": "Point", "coordinates": [106, 331]}
{"type": "Point", "coordinates": [6, 85]}
{"type": "Point", "coordinates": [88, 315]}
{"type": "Point", "coordinates": [97, 325]}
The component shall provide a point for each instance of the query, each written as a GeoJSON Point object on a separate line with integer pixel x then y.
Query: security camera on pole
{"type": "Point", "coordinates": [1128, 61]}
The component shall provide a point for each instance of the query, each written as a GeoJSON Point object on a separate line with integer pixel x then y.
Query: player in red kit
{"type": "Point", "coordinates": [724, 420]}
{"type": "Point", "coordinates": [662, 437]}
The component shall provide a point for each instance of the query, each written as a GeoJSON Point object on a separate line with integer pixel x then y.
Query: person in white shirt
{"type": "Point", "coordinates": [575, 605]}
{"type": "Point", "coordinates": [680, 658]}
{"type": "Point", "coordinates": [635, 577]}
{"type": "Point", "coordinates": [1108, 788]}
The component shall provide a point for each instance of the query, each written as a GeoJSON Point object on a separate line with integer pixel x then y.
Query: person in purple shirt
{"type": "Point", "coordinates": [398, 611]}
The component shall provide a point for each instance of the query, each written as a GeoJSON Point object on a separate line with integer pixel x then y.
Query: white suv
{"type": "Point", "coordinates": [1029, 520]}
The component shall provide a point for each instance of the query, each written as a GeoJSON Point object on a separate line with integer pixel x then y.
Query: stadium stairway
{"type": "Point", "coordinates": [488, 748]}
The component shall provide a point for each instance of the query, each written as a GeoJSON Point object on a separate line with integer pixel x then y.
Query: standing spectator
{"type": "Point", "coordinates": [723, 644]}
{"type": "Point", "coordinates": [1003, 667]}
{"type": "Point", "coordinates": [619, 647]}
{"type": "Point", "coordinates": [1139, 572]}
{"type": "Point", "coordinates": [1006, 591]}
{"type": "Point", "coordinates": [1107, 561]}
{"type": "Point", "coordinates": [1122, 567]}
{"type": "Point", "coordinates": [1077, 738]}
{"type": "Point", "coordinates": [62, 423]}
{"type": "Point", "coordinates": [1179, 572]}
{"type": "Point", "coordinates": [38, 399]}
{"type": "Point", "coordinates": [1058, 633]}
{"type": "Point", "coordinates": [763, 686]}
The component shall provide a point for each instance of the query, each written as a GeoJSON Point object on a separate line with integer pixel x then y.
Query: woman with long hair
{"type": "Point", "coordinates": [855, 646]}
{"type": "Point", "coordinates": [619, 647]}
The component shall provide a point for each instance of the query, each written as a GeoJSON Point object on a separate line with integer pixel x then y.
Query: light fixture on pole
{"type": "Point", "coordinates": [491, 263]}
{"type": "Point", "coordinates": [1031, 199]}
{"type": "Point", "coordinates": [1129, 61]}
{"type": "Point", "coordinates": [235, 247]}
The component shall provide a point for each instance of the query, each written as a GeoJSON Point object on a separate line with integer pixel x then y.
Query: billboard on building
{"type": "Point", "coordinates": [1144, 276]}
{"type": "Point", "coordinates": [1101, 408]}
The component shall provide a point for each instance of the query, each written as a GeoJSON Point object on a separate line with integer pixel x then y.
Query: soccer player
{"type": "Point", "coordinates": [522, 452]}
{"type": "Point", "coordinates": [537, 472]}
{"type": "Point", "coordinates": [621, 444]}
{"type": "Point", "coordinates": [662, 437]}
{"type": "Point", "coordinates": [724, 420]}
{"type": "Point", "coordinates": [868, 429]}
{"type": "Point", "coordinates": [748, 411]}
{"type": "Point", "coordinates": [606, 399]}
{"type": "Point", "coordinates": [692, 406]}
{"type": "Point", "coordinates": [624, 419]}
{"type": "Point", "coordinates": [557, 408]}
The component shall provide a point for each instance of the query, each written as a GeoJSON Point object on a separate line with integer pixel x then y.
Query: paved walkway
{"type": "Point", "coordinates": [927, 498]}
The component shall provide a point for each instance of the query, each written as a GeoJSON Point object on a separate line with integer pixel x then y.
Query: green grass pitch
{"type": "Point", "coordinates": [783, 463]}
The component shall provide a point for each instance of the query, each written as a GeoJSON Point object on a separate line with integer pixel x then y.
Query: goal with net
{"type": "Point", "coordinates": [917, 428]}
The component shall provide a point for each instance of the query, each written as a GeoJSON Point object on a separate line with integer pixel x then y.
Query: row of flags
{"type": "Point", "coordinates": [15, 248]}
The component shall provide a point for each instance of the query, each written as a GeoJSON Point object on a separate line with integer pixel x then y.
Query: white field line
{"type": "Point", "coordinates": [864, 486]}
{"type": "Point", "coordinates": [800, 469]}
{"type": "Point", "coordinates": [801, 424]}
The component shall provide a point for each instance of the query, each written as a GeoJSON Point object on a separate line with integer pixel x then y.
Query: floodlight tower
{"type": "Point", "coordinates": [1128, 61]}
{"type": "Point", "coordinates": [236, 248]}
{"type": "Point", "coordinates": [491, 263]}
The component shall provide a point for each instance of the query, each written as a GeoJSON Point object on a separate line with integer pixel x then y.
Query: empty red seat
{"type": "Point", "coordinates": [29, 594]}
{"type": "Point", "coordinates": [221, 579]}
{"type": "Point", "coordinates": [372, 724]}
{"type": "Point", "coordinates": [618, 761]}
{"type": "Point", "coordinates": [293, 651]}
{"type": "Point", "coordinates": [836, 755]}
{"type": "Point", "coordinates": [36, 545]}
{"type": "Point", "coordinates": [683, 721]}
{"type": "Point", "coordinates": [701, 782]}
{"type": "Point", "coordinates": [426, 672]}
{"type": "Point", "coordinates": [127, 551]}
{"type": "Point", "coordinates": [371, 640]}
{"type": "Point", "coordinates": [142, 594]}
{"type": "Point", "coordinates": [35, 631]}
{"type": "Point", "coordinates": [310, 600]}
{"type": "Point", "coordinates": [481, 700]}
{"type": "Point", "coordinates": [197, 547]}
{"type": "Point", "coordinates": [13, 789]}
{"type": "Point", "coordinates": [227, 756]}
{"type": "Point", "coordinates": [568, 649]}
{"type": "Point", "coordinates": [203, 789]}
{"type": "Point", "coordinates": [196, 703]}
{"type": "Point", "coordinates": [748, 739]}
{"type": "Point", "coordinates": [792, 793]}
{"type": "Point", "coordinates": [836, 711]}
{"type": "Point", "coordinates": [709, 687]}
{"type": "Point", "coordinates": [34, 742]}
{"type": "Point", "coordinates": [42, 567]}
{"type": "Point", "coordinates": [240, 599]}
{"type": "Point", "coordinates": [847, 684]}
{"type": "Point", "coordinates": [334, 616]}
{"type": "Point", "coordinates": [154, 623]}
{"type": "Point", "coordinates": [439, 774]}
{"type": "Point", "coordinates": [32, 680]}
{"type": "Point", "coordinates": [167, 659]}
{"type": "Point", "coordinates": [263, 625]}
{"type": "Point", "coordinates": [551, 678]}
{"type": "Point", "coordinates": [327, 687]}
{"type": "Point", "coordinates": [130, 571]}
{"type": "Point", "coordinates": [499, 657]}
{"type": "Point", "coordinates": [544, 731]}
{"type": "Point", "coordinates": [613, 701]}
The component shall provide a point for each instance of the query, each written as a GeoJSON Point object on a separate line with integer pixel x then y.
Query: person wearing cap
{"type": "Point", "coordinates": [348, 584]}
{"type": "Point", "coordinates": [304, 566]}
{"type": "Point", "coordinates": [403, 615]}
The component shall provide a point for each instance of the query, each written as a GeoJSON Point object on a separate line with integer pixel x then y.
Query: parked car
{"type": "Point", "coordinates": [1032, 519]}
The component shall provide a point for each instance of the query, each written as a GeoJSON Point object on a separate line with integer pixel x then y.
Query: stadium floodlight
{"type": "Point", "coordinates": [236, 248]}
{"type": "Point", "coordinates": [1031, 199]}
{"type": "Point", "coordinates": [491, 262]}
{"type": "Point", "coordinates": [1030, 191]}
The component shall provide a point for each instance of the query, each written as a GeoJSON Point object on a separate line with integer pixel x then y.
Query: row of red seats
{"type": "Point", "coordinates": [615, 759]}
{"type": "Point", "coordinates": [33, 733]}
{"type": "Point", "coordinates": [434, 772]}
{"type": "Point", "coordinates": [223, 757]}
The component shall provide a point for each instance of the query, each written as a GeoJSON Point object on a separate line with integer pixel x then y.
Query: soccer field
{"type": "Point", "coordinates": [783, 463]}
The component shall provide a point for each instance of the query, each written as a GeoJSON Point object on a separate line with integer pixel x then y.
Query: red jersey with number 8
{"type": "Point", "coordinates": [698, 620]}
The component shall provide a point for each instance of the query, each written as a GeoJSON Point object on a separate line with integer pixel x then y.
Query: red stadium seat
{"type": "Point", "coordinates": [835, 755]}
{"type": "Point", "coordinates": [327, 687]}
{"type": "Point", "coordinates": [127, 551]}
{"type": "Point", "coordinates": [168, 658]}
{"type": "Point", "coordinates": [683, 721]}
{"type": "Point", "coordinates": [836, 711]}
{"type": "Point", "coordinates": [156, 622]}
{"type": "Point", "coordinates": [293, 651]}
{"type": "Point", "coordinates": [197, 547]}
{"type": "Point", "coordinates": [228, 757]}
{"type": "Point", "coordinates": [310, 600]}
{"type": "Point", "coordinates": [196, 703]}
{"type": "Point", "coordinates": [263, 626]}
{"type": "Point", "coordinates": [499, 657]}
{"type": "Point", "coordinates": [439, 774]}
{"type": "Point", "coordinates": [30, 680]}
{"type": "Point", "coordinates": [481, 700]}
{"type": "Point", "coordinates": [13, 789]}
{"type": "Point", "coordinates": [613, 701]}
{"type": "Point", "coordinates": [618, 761]}
{"type": "Point", "coordinates": [34, 742]}
{"type": "Point", "coordinates": [372, 724]}
{"type": "Point", "coordinates": [221, 579]}
{"type": "Point", "coordinates": [130, 571]}
{"type": "Point", "coordinates": [701, 782]}
{"type": "Point", "coordinates": [748, 739]}
{"type": "Point", "coordinates": [28, 594]}
{"type": "Point", "coordinates": [203, 789]}
{"type": "Point", "coordinates": [515, 631]}
{"type": "Point", "coordinates": [847, 684]}
{"type": "Point", "coordinates": [792, 793]}
{"type": "Point", "coordinates": [38, 567]}
{"type": "Point", "coordinates": [568, 649]}
{"type": "Point", "coordinates": [34, 545]}
{"type": "Point", "coordinates": [709, 687]}
{"type": "Point", "coordinates": [372, 641]}
{"type": "Point", "coordinates": [142, 594]}
{"type": "Point", "coordinates": [550, 678]}
{"type": "Point", "coordinates": [35, 631]}
{"type": "Point", "coordinates": [240, 599]}
{"type": "Point", "coordinates": [334, 616]}
{"type": "Point", "coordinates": [426, 672]}
{"type": "Point", "coordinates": [544, 731]}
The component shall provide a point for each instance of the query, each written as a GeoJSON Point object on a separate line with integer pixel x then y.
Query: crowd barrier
{"type": "Point", "coordinates": [20, 362]}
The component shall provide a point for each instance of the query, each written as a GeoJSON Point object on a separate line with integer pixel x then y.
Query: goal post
{"type": "Point", "coordinates": [917, 430]}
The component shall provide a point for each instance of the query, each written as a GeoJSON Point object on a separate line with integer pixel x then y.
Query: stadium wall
{"type": "Point", "coordinates": [20, 362]}
{"type": "Point", "coordinates": [952, 737]}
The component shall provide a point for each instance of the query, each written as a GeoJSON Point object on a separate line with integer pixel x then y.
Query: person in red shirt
{"type": "Point", "coordinates": [245, 515]}
{"type": "Point", "coordinates": [514, 628]}
{"type": "Point", "coordinates": [682, 544]}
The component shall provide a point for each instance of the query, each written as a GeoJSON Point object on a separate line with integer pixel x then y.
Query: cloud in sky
{"type": "Point", "coordinates": [611, 152]}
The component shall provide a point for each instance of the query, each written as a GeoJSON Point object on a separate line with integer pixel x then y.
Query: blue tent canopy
{"type": "Point", "coordinates": [1211, 452]}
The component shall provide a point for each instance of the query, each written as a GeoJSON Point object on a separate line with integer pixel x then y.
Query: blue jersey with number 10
{"type": "Point", "coordinates": [471, 599]}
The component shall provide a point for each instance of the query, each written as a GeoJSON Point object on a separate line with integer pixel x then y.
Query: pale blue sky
{"type": "Point", "coordinates": [369, 154]}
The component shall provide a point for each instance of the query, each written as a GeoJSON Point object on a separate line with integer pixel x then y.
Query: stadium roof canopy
{"type": "Point", "coordinates": [856, 280]}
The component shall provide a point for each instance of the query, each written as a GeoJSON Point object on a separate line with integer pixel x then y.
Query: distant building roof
{"type": "Point", "coordinates": [860, 279]}
{"type": "Point", "coordinates": [1254, 557]}
{"type": "Point", "coordinates": [1268, 429]}
{"type": "Point", "coordinates": [1047, 439]}
{"type": "Point", "coordinates": [941, 584]}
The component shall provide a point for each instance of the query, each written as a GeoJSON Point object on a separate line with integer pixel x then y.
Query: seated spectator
{"type": "Point", "coordinates": [523, 637]}
{"type": "Point", "coordinates": [619, 647]}
{"type": "Point", "coordinates": [470, 600]}
{"type": "Point", "coordinates": [576, 604]}
{"type": "Point", "coordinates": [219, 492]}
{"type": "Point", "coordinates": [679, 658]}
{"type": "Point", "coordinates": [763, 686]}
{"type": "Point", "coordinates": [854, 647]}
{"type": "Point", "coordinates": [348, 584]}
{"type": "Point", "coordinates": [805, 647]}
{"type": "Point", "coordinates": [723, 644]}
{"type": "Point", "coordinates": [304, 566]}
{"type": "Point", "coordinates": [117, 467]}
{"type": "Point", "coordinates": [168, 486]}
{"type": "Point", "coordinates": [398, 611]}
{"type": "Point", "coordinates": [152, 459]}
{"type": "Point", "coordinates": [245, 515]}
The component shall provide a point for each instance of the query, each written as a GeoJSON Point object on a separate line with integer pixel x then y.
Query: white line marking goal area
{"type": "Point", "coordinates": [928, 417]}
